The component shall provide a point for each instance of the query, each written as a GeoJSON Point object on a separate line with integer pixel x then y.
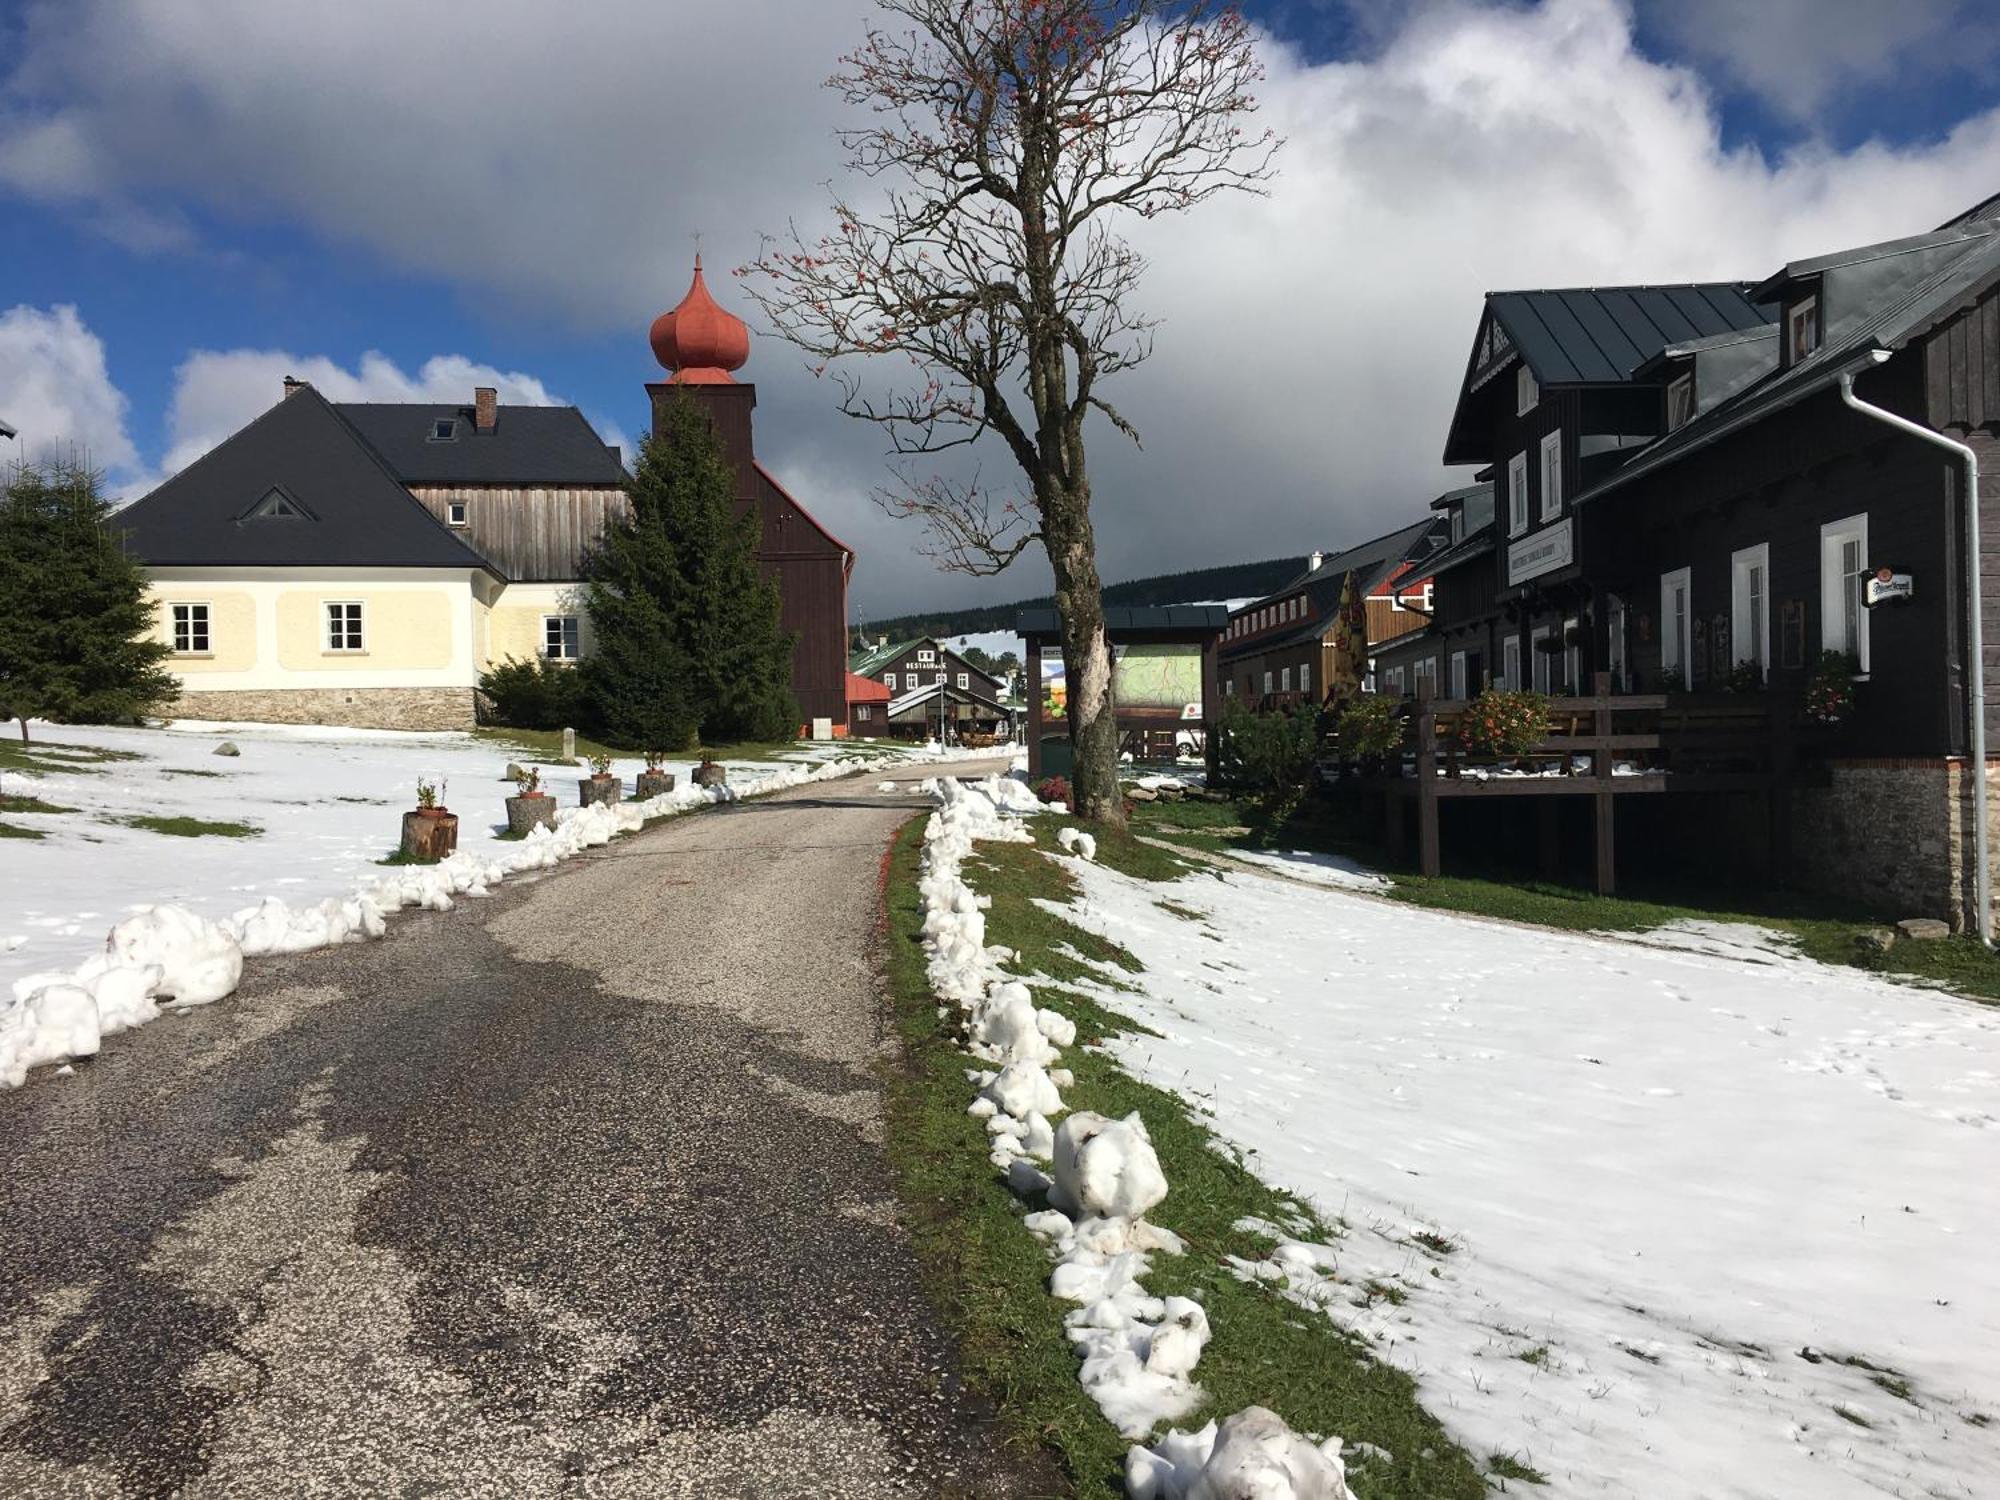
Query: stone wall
{"type": "Point", "coordinates": [1895, 835]}
{"type": "Point", "coordinates": [358, 708]}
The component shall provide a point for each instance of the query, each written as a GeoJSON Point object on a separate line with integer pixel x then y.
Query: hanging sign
{"type": "Point", "coordinates": [1887, 586]}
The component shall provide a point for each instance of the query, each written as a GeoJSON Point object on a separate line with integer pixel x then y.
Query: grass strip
{"type": "Point", "coordinates": [990, 1277]}
{"type": "Point", "coordinates": [193, 828]}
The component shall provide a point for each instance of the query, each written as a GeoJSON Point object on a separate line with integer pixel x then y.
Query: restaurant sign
{"type": "Point", "coordinates": [1541, 552]}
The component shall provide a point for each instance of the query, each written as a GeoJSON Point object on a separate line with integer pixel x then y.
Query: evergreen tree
{"type": "Point", "coordinates": [739, 659]}
{"type": "Point", "coordinates": [635, 680]}
{"type": "Point", "coordinates": [75, 625]}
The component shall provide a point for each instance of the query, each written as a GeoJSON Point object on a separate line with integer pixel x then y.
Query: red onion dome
{"type": "Point", "coordinates": [698, 341]}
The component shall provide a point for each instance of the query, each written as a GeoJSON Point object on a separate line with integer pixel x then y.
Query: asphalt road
{"type": "Point", "coordinates": [577, 1190]}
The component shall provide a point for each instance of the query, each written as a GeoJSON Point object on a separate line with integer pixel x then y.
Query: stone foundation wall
{"type": "Point", "coordinates": [357, 708]}
{"type": "Point", "coordinates": [1894, 835]}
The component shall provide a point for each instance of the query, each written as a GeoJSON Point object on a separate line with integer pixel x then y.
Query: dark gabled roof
{"type": "Point", "coordinates": [1599, 336]}
{"type": "Point", "coordinates": [1373, 563]}
{"type": "Point", "coordinates": [357, 513]}
{"type": "Point", "coordinates": [1158, 622]}
{"type": "Point", "coordinates": [6, 431]}
{"type": "Point", "coordinates": [1474, 545]}
{"type": "Point", "coordinates": [546, 445]}
{"type": "Point", "coordinates": [1463, 492]}
{"type": "Point", "coordinates": [1888, 296]}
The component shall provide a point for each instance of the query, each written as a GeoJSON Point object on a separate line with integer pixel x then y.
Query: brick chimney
{"type": "Point", "coordinates": [485, 408]}
{"type": "Point", "coordinates": [292, 385]}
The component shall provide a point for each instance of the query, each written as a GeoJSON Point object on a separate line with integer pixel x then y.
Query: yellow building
{"type": "Point", "coordinates": [363, 564]}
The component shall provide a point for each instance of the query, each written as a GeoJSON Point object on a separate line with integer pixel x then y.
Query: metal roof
{"type": "Point", "coordinates": [1880, 301]}
{"type": "Point", "coordinates": [872, 659]}
{"type": "Point", "coordinates": [6, 431]}
{"type": "Point", "coordinates": [547, 445]}
{"type": "Point", "coordinates": [1186, 622]}
{"type": "Point", "coordinates": [356, 513]}
{"type": "Point", "coordinates": [1600, 335]}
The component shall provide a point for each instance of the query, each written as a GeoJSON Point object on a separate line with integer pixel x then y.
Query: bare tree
{"type": "Point", "coordinates": [1005, 137]}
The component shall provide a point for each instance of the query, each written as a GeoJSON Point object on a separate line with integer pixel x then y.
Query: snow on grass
{"type": "Point", "coordinates": [1316, 868]}
{"type": "Point", "coordinates": [1644, 1222]}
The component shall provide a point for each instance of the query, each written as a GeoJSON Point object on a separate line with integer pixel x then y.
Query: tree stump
{"type": "Point", "coordinates": [530, 811]}
{"type": "Point", "coordinates": [709, 773]}
{"type": "Point", "coordinates": [599, 789]}
{"type": "Point", "coordinates": [429, 834]}
{"type": "Point", "coordinates": [655, 784]}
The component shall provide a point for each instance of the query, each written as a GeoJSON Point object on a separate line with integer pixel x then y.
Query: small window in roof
{"type": "Point", "coordinates": [276, 506]}
{"type": "Point", "coordinates": [444, 429]}
{"type": "Point", "coordinates": [1680, 401]}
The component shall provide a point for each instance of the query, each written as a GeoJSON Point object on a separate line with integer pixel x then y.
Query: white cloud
{"type": "Point", "coordinates": [56, 390]}
{"type": "Point", "coordinates": [1312, 341]}
{"type": "Point", "coordinates": [216, 391]}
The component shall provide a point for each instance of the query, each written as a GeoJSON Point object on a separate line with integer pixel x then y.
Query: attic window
{"type": "Point", "coordinates": [444, 430]}
{"type": "Point", "coordinates": [1802, 328]}
{"type": "Point", "coordinates": [1680, 401]}
{"type": "Point", "coordinates": [1526, 392]}
{"type": "Point", "coordinates": [455, 512]}
{"type": "Point", "coordinates": [276, 506]}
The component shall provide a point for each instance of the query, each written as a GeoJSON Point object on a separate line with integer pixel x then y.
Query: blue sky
{"type": "Point", "coordinates": [315, 184]}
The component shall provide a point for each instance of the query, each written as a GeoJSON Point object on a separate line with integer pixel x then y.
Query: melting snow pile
{"type": "Point", "coordinates": [1076, 841]}
{"type": "Point", "coordinates": [1101, 1176]}
{"type": "Point", "coordinates": [168, 953]}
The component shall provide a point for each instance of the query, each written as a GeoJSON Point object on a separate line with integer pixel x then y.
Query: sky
{"type": "Point", "coordinates": [402, 200]}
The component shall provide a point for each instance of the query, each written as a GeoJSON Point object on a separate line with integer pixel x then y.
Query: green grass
{"type": "Point", "coordinates": [1506, 1466]}
{"type": "Point", "coordinates": [59, 757]}
{"type": "Point", "coordinates": [194, 828]}
{"type": "Point", "coordinates": [989, 1276]}
{"type": "Point", "coordinates": [1821, 929]}
{"type": "Point", "coordinates": [31, 805]}
{"type": "Point", "coordinates": [15, 831]}
{"type": "Point", "coordinates": [398, 857]}
{"type": "Point", "coordinates": [185, 771]}
{"type": "Point", "coordinates": [544, 747]}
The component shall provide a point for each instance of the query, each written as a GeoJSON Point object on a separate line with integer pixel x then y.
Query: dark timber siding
{"type": "Point", "coordinates": [1962, 367]}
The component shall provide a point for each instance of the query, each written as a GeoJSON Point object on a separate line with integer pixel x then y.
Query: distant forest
{"type": "Point", "coordinates": [1237, 581]}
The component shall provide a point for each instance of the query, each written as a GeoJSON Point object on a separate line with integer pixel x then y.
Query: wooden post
{"type": "Point", "coordinates": [569, 746]}
{"type": "Point", "coordinates": [1033, 684]}
{"type": "Point", "coordinates": [1603, 805]}
{"type": "Point", "coordinates": [1427, 791]}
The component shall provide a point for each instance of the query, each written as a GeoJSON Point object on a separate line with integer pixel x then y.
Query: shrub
{"type": "Point", "coordinates": [1270, 759]}
{"type": "Point", "coordinates": [537, 694]}
{"type": "Point", "coordinates": [1369, 725]}
{"type": "Point", "coordinates": [1499, 722]}
{"type": "Point", "coordinates": [1054, 789]}
{"type": "Point", "coordinates": [1830, 691]}
{"type": "Point", "coordinates": [1745, 677]}
{"type": "Point", "coordinates": [1671, 680]}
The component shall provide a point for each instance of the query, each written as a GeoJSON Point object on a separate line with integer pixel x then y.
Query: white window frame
{"type": "Point", "coordinates": [864, 711]}
{"type": "Point", "coordinates": [1837, 592]}
{"type": "Point", "coordinates": [1526, 391]}
{"type": "Point", "coordinates": [455, 513]}
{"type": "Point", "coordinates": [348, 639]}
{"type": "Point", "coordinates": [1457, 678]}
{"type": "Point", "coordinates": [1541, 663]}
{"type": "Point", "coordinates": [1425, 670]}
{"type": "Point", "coordinates": [1677, 637]}
{"type": "Point", "coordinates": [1802, 329]}
{"type": "Point", "coordinates": [889, 681]}
{"type": "Point", "coordinates": [1680, 401]}
{"type": "Point", "coordinates": [1572, 655]}
{"type": "Point", "coordinates": [1552, 475]}
{"type": "Point", "coordinates": [1267, 684]}
{"type": "Point", "coordinates": [1284, 679]}
{"type": "Point", "coordinates": [1305, 677]}
{"type": "Point", "coordinates": [562, 654]}
{"type": "Point", "coordinates": [965, 680]}
{"type": "Point", "coordinates": [1517, 494]}
{"type": "Point", "coordinates": [180, 626]}
{"type": "Point", "coordinates": [1510, 662]}
{"type": "Point", "coordinates": [1229, 687]}
{"type": "Point", "coordinates": [925, 658]}
{"type": "Point", "coordinates": [1750, 607]}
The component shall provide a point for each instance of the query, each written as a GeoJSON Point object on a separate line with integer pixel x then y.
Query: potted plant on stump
{"type": "Point", "coordinates": [654, 782]}
{"type": "Point", "coordinates": [710, 773]}
{"type": "Point", "coordinates": [530, 807]}
{"type": "Point", "coordinates": [600, 785]}
{"type": "Point", "coordinates": [430, 832]}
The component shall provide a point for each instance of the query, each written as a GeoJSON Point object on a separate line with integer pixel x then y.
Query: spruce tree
{"type": "Point", "coordinates": [635, 679]}
{"type": "Point", "coordinates": [739, 658]}
{"type": "Point", "coordinates": [75, 624]}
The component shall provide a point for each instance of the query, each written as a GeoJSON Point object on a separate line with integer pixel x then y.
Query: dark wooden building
{"type": "Point", "coordinates": [702, 344]}
{"type": "Point", "coordinates": [928, 683]}
{"type": "Point", "coordinates": [1703, 509]}
{"type": "Point", "coordinates": [1278, 650]}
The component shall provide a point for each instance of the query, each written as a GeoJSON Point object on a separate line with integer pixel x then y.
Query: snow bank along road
{"type": "Point", "coordinates": [576, 1190]}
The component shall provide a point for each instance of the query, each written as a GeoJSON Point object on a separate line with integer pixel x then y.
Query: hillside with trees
{"type": "Point", "coordinates": [1235, 581]}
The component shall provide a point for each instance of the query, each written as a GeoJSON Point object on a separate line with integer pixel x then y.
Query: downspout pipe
{"type": "Point", "coordinates": [1982, 871]}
